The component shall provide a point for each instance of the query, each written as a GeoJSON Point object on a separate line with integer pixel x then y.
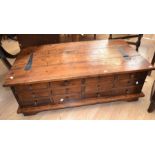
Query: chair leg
{"type": "Point", "coordinates": [6, 63]}
{"type": "Point", "coordinates": [151, 107]}
{"type": "Point", "coordinates": [152, 62]}
{"type": "Point", "coordinates": [110, 36]}
{"type": "Point", "coordinates": [94, 36]}
{"type": "Point", "coordinates": [138, 41]}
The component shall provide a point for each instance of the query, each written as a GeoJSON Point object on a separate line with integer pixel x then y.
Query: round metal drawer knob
{"type": "Point", "coordinates": [137, 82]}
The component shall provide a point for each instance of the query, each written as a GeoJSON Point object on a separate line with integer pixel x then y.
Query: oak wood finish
{"type": "Point", "coordinates": [75, 74]}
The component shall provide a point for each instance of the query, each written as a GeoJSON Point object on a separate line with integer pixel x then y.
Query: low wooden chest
{"type": "Point", "coordinates": [76, 74]}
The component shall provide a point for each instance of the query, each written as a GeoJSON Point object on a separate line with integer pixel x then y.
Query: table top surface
{"type": "Point", "coordinates": [74, 60]}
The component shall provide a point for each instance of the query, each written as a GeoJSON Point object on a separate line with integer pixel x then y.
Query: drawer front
{"type": "Point", "coordinates": [99, 80]}
{"type": "Point", "coordinates": [39, 86]}
{"type": "Point", "coordinates": [99, 94]}
{"type": "Point", "coordinates": [22, 88]}
{"type": "Point", "coordinates": [30, 87]}
{"type": "Point", "coordinates": [106, 78]}
{"type": "Point", "coordinates": [68, 83]}
{"type": "Point", "coordinates": [129, 82]}
{"type": "Point", "coordinates": [123, 76]}
{"type": "Point", "coordinates": [43, 101]}
{"type": "Point", "coordinates": [135, 75]}
{"type": "Point", "coordinates": [25, 95]}
{"type": "Point", "coordinates": [106, 85]}
{"type": "Point", "coordinates": [42, 93]}
{"type": "Point", "coordinates": [29, 98]}
{"type": "Point", "coordinates": [66, 90]}
{"type": "Point", "coordinates": [37, 102]}
{"type": "Point", "coordinates": [66, 98]}
{"type": "Point", "coordinates": [90, 95]}
{"type": "Point", "coordinates": [28, 103]}
{"type": "Point", "coordinates": [127, 90]}
{"type": "Point", "coordinates": [91, 89]}
{"type": "Point", "coordinates": [139, 75]}
{"type": "Point", "coordinates": [91, 81]}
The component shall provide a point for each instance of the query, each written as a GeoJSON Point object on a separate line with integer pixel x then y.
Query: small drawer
{"type": "Point", "coordinates": [28, 103]}
{"type": "Point", "coordinates": [91, 88]}
{"type": "Point", "coordinates": [129, 82]}
{"type": "Point", "coordinates": [22, 88]}
{"type": "Point", "coordinates": [103, 79]}
{"type": "Point", "coordinates": [99, 94]}
{"type": "Point", "coordinates": [106, 93]}
{"type": "Point", "coordinates": [138, 75]}
{"type": "Point", "coordinates": [90, 95]}
{"type": "Point", "coordinates": [106, 85]}
{"type": "Point", "coordinates": [123, 76]}
{"type": "Point", "coordinates": [68, 83]}
{"type": "Point", "coordinates": [66, 98]}
{"type": "Point", "coordinates": [44, 101]}
{"type": "Point", "coordinates": [135, 75]}
{"type": "Point", "coordinates": [37, 102]}
{"type": "Point", "coordinates": [92, 81]}
{"type": "Point", "coordinates": [127, 90]}
{"type": "Point", "coordinates": [39, 86]}
{"type": "Point", "coordinates": [27, 95]}
{"type": "Point", "coordinates": [66, 90]}
{"type": "Point", "coordinates": [41, 93]}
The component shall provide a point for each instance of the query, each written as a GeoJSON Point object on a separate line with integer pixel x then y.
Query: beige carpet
{"type": "Point", "coordinates": [115, 110]}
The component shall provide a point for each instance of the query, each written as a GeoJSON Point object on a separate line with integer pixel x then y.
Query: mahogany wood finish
{"type": "Point", "coordinates": [75, 74]}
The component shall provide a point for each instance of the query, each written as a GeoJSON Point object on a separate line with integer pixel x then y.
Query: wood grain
{"type": "Point", "coordinates": [75, 60]}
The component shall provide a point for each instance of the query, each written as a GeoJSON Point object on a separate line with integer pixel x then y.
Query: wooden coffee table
{"type": "Point", "coordinates": [76, 74]}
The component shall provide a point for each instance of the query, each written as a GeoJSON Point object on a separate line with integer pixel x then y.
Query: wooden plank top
{"type": "Point", "coordinates": [74, 60]}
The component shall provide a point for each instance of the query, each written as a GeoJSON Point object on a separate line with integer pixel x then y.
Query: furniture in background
{"type": "Point", "coordinates": [27, 40]}
{"type": "Point", "coordinates": [152, 96]}
{"type": "Point", "coordinates": [152, 62]}
{"type": "Point", "coordinates": [79, 37]}
{"type": "Point", "coordinates": [4, 58]}
{"type": "Point", "coordinates": [6, 54]}
{"type": "Point", "coordinates": [76, 74]}
{"type": "Point", "coordinates": [128, 36]}
{"type": "Point", "coordinates": [83, 37]}
{"type": "Point", "coordinates": [152, 99]}
{"type": "Point", "coordinates": [153, 59]}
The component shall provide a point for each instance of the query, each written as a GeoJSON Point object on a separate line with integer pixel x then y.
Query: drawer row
{"type": "Point", "coordinates": [46, 98]}
{"type": "Point", "coordinates": [115, 80]}
{"type": "Point", "coordinates": [91, 87]}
